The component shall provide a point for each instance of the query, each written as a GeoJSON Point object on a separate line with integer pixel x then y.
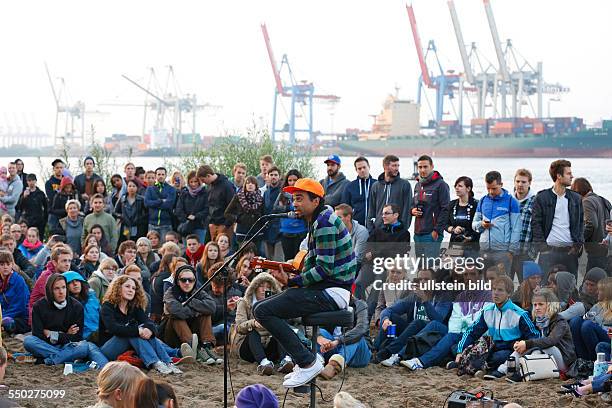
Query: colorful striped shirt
{"type": "Point", "coordinates": [330, 261]}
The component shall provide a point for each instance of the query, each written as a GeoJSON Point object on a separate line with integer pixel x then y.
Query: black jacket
{"type": "Point", "coordinates": [389, 241]}
{"type": "Point", "coordinates": [544, 212]}
{"type": "Point", "coordinates": [132, 215]}
{"type": "Point", "coordinates": [432, 196]}
{"type": "Point", "coordinates": [220, 194]}
{"type": "Point", "coordinates": [197, 206]}
{"type": "Point", "coordinates": [80, 182]}
{"type": "Point", "coordinates": [243, 218]}
{"type": "Point", "coordinates": [45, 315]}
{"type": "Point", "coordinates": [34, 208]}
{"type": "Point", "coordinates": [463, 220]}
{"type": "Point", "coordinates": [114, 323]}
{"type": "Point", "coordinates": [23, 263]}
{"type": "Point", "coordinates": [202, 304]}
{"type": "Point", "coordinates": [59, 204]}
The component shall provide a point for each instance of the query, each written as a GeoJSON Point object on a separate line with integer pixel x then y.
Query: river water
{"type": "Point", "coordinates": [598, 171]}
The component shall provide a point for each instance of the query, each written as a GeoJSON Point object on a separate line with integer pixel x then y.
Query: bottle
{"type": "Point", "coordinates": [601, 365]}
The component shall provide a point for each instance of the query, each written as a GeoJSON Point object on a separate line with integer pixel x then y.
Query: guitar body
{"type": "Point", "coordinates": [295, 266]}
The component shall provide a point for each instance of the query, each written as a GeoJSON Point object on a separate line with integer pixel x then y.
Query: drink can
{"type": "Point", "coordinates": [391, 330]}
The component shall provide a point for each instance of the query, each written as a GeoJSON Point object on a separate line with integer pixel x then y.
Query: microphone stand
{"type": "Point", "coordinates": [223, 270]}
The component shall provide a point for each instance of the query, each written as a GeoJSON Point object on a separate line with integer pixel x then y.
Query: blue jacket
{"type": "Point", "coordinates": [289, 225]}
{"type": "Point", "coordinates": [14, 300]}
{"type": "Point", "coordinates": [91, 308]}
{"type": "Point", "coordinates": [160, 199]}
{"type": "Point", "coordinates": [504, 212]}
{"type": "Point", "coordinates": [356, 194]}
{"type": "Point", "coordinates": [272, 233]}
{"type": "Point", "coordinates": [435, 309]}
{"type": "Point", "coordinates": [504, 326]}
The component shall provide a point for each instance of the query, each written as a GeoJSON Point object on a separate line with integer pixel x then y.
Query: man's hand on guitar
{"type": "Point", "coordinates": [257, 325]}
{"type": "Point", "coordinates": [280, 275]}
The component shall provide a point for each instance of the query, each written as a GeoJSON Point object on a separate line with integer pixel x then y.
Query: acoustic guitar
{"type": "Point", "coordinates": [295, 266]}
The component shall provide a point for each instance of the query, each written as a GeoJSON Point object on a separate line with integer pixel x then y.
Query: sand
{"type": "Point", "coordinates": [377, 386]}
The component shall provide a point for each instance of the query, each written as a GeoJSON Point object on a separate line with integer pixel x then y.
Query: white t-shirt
{"type": "Point", "coordinates": [559, 235]}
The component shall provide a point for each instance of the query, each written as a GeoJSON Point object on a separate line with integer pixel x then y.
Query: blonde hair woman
{"type": "Point", "coordinates": [116, 384]}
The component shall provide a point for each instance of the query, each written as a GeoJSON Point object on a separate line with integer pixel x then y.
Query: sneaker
{"type": "Point", "coordinates": [211, 352]}
{"type": "Point", "coordinates": [286, 366]}
{"type": "Point", "coordinates": [204, 357]}
{"type": "Point", "coordinates": [515, 378]}
{"type": "Point", "coordinates": [303, 376]}
{"type": "Point", "coordinates": [451, 365]}
{"type": "Point", "coordinates": [194, 345]}
{"type": "Point", "coordinates": [493, 375]}
{"type": "Point", "coordinates": [296, 367]}
{"type": "Point", "coordinates": [183, 360]}
{"type": "Point", "coordinates": [162, 368]}
{"type": "Point", "coordinates": [480, 374]}
{"type": "Point", "coordinates": [412, 364]}
{"type": "Point", "coordinates": [391, 361]}
{"type": "Point", "coordinates": [265, 369]}
{"type": "Point", "coordinates": [381, 356]}
{"type": "Point", "coordinates": [174, 369]}
{"type": "Point", "coordinates": [187, 351]}
{"type": "Point", "coordinates": [24, 358]}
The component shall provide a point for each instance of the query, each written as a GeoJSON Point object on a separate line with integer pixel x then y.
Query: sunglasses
{"type": "Point", "coordinates": [186, 280]}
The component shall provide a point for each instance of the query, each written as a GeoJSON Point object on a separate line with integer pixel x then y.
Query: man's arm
{"type": "Point", "coordinates": [406, 211]}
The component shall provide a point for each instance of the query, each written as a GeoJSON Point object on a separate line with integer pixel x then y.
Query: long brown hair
{"type": "Point", "coordinates": [207, 263]}
{"type": "Point", "coordinates": [113, 294]}
{"type": "Point", "coordinates": [605, 288]}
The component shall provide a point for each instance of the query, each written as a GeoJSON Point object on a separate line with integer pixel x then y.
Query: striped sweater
{"type": "Point", "coordinates": [330, 261]}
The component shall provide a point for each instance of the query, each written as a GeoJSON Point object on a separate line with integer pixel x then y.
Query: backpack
{"type": "Point", "coordinates": [474, 357]}
{"type": "Point", "coordinates": [420, 344]}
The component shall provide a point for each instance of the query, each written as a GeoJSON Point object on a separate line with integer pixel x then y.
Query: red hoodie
{"type": "Point", "coordinates": [39, 290]}
{"type": "Point", "coordinates": [194, 258]}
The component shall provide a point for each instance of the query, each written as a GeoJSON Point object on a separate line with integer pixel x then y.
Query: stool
{"type": "Point", "coordinates": [342, 318]}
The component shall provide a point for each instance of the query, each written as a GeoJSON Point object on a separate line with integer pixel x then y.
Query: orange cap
{"type": "Point", "coordinates": [308, 185]}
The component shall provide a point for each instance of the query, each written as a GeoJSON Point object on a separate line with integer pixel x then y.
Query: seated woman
{"type": "Point", "coordinates": [155, 240]}
{"type": "Point", "coordinates": [117, 382]}
{"type": "Point", "coordinates": [31, 246]}
{"type": "Point", "coordinates": [532, 278]}
{"type": "Point", "coordinates": [211, 255]}
{"type": "Point", "coordinates": [92, 240]}
{"type": "Point", "coordinates": [145, 252]}
{"type": "Point", "coordinates": [124, 325]}
{"type": "Point", "coordinates": [225, 248]}
{"type": "Point", "coordinates": [244, 273]}
{"type": "Point", "coordinates": [192, 322]}
{"type": "Point", "coordinates": [101, 278]}
{"type": "Point", "coordinates": [388, 297]}
{"type": "Point", "coordinates": [78, 288]}
{"type": "Point", "coordinates": [91, 261]}
{"type": "Point", "coordinates": [556, 336]}
{"type": "Point", "coordinates": [586, 297]}
{"type": "Point", "coordinates": [98, 232]}
{"type": "Point", "coordinates": [57, 327]}
{"type": "Point", "coordinates": [250, 340]}
{"type": "Point", "coordinates": [592, 328]}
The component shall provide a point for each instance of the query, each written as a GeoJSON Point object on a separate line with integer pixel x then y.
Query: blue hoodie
{"type": "Point", "coordinates": [504, 212]}
{"type": "Point", "coordinates": [437, 309]}
{"type": "Point", "coordinates": [14, 297]}
{"type": "Point", "coordinates": [356, 194]}
{"type": "Point", "coordinates": [159, 200]}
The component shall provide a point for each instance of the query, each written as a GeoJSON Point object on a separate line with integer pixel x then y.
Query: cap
{"type": "Point", "coordinates": [334, 158]}
{"type": "Point", "coordinates": [306, 184]}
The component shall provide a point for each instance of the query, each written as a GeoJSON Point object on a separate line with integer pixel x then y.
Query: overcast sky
{"type": "Point", "coordinates": [358, 50]}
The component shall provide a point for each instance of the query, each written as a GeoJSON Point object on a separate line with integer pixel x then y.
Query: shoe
{"type": "Point", "coordinates": [194, 345]}
{"type": "Point", "coordinates": [183, 360]}
{"type": "Point", "coordinates": [187, 351]}
{"type": "Point", "coordinates": [480, 374]}
{"type": "Point", "coordinates": [286, 366]}
{"type": "Point", "coordinates": [24, 358]}
{"type": "Point", "coordinates": [573, 392]}
{"type": "Point", "coordinates": [572, 386]}
{"type": "Point", "coordinates": [493, 375]}
{"type": "Point", "coordinates": [265, 369]}
{"type": "Point", "coordinates": [209, 348]}
{"type": "Point", "coordinates": [204, 357]}
{"type": "Point", "coordinates": [391, 361]}
{"type": "Point", "coordinates": [333, 367]}
{"type": "Point", "coordinates": [515, 378]}
{"type": "Point", "coordinates": [381, 356]}
{"type": "Point", "coordinates": [296, 367]}
{"type": "Point", "coordinates": [303, 376]}
{"type": "Point", "coordinates": [451, 365]}
{"type": "Point", "coordinates": [174, 369]}
{"type": "Point", "coordinates": [412, 364]}
{"type": "Point", "coordinates": [162, 368]}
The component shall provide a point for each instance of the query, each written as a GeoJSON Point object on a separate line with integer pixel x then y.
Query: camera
{"type": "Point", "coordinates": [268, 293]}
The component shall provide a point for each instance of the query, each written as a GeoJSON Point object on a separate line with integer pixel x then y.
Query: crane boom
{"type": "Point", "coordinates": [503, 68]}
{"type": "Point", "coordinates": [146, 91]}
{"type": "Point", "coordinates": [419, 47]}
{"type": "Point", "coordinates": [55, 97]}
{"type": "Point", "coordinates": [277, 78]}
{"type": "Point", "coordinates": [469, 75]}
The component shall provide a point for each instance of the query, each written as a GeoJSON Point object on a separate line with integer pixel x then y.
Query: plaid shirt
{"type": "Point", "coordinates": [330, 261]}
{"type": "Point", "coordinates": [526, 214]}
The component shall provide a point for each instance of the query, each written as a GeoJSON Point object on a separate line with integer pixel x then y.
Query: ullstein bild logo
{"type": "Point", "coordinates": [413, 264]}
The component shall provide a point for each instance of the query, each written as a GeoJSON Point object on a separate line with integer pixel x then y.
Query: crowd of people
{"type": "Point", "coordinates": [101, 273]}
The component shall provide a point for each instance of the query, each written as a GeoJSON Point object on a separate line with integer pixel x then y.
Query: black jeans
{"type": "Point", "coordinates": [253, 351]}
{"type": "Point", "coordinates": [294, 302]}
{"type": "Point", "coordinates": [291, 244]}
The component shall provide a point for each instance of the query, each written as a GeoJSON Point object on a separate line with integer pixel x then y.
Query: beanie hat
{"type": "Point", "coordinates": [531, 268]}
{"type": "Point", "coordinates": [256, 396]}
{"type": "Point", "coordinates": [65, 181]}
{"type": "Point", "coordinates": [89, 158]}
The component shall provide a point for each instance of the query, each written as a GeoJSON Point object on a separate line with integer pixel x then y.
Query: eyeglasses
{"type": "Point", "coordinates": [186, 280]}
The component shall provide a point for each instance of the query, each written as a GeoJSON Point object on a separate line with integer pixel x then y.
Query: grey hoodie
{"type": "Point", "coordinates": [334, 189]}
{"type": "Point", "coordinates": [398, 191]}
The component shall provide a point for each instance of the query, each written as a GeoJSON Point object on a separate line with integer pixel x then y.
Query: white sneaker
{"type": "Point", "coordinates": [295, 367]}
{"type": "Point", "coordinates": [187, 351]}
{"type": "Point", "coordinates": [194, 345]}
{"type": "Point", "coordinates": [413, 364]}
{"type": "Point", "coordinates": [162, 368]}
{"type": "Point", "coordinates": [174, 369]}
{"type": "Point", "coordinates": [391, 361]}
{"type": "Point", "coordinates": [304, 375]}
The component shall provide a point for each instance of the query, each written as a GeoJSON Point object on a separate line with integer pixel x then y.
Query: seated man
{"type": "Point", "coordinates": [14, 296]}
{"type": "Point", "coordinates": [467, 308]}
{"type": "Point", "coordinates": [504, 321]}
{"type": "Point", "coordinates": [20, 264]}
{"type": "Point", "coordinates": [215, 290]}
{"type": "Point", "coordinates": [420, 308]}
{"type": "Point", "coordinates": [57, 327]}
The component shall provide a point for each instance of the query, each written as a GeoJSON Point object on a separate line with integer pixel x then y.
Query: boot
{"type": "Point", "coordinates": [333, 367]}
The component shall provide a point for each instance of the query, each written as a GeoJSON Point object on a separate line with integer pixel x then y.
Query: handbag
{"type": "Point", "coordinates": [538, 366]}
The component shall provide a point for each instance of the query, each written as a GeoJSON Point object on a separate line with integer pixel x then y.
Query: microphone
{"type": "Point", "coordinates": [290, 214]}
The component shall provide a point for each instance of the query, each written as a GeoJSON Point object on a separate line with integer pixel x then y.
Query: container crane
{"type": "Point", "coordinates": [301, 93]}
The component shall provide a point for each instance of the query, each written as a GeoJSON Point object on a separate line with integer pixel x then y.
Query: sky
{"type": "Point", "coordinates": [359, 50]}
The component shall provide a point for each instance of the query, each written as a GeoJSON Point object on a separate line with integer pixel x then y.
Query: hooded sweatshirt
{"type": "Point", "coordinates": [14, 295]}
{"type": "Point", "coordinates": [334, 189]}
{"type": "Point", "coordinates": [357, 195]}
{"type": "Point", "coordinates": [46, 315]}
{"type": "Point", "coordinates": [202, 304]}
{"type": "Point", "coordinates": [432, 195]}
{"type": "Point", "coordinates": [99, 284]}
{"type": "Point", "coordinates": [38, 292]}
{"type": "Point", "coordinates": [397, 191]}
{"type": "Point", "coordinates": [504, 213]}
{"type": "Point", "coordinates": [159, 200]}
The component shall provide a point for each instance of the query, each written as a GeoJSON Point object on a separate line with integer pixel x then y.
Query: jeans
{"type": "Point", "coordinates": [586, 335]}
{"type": "Point", "coordinates": [517, 267]}
{"type": "Point", "coordinates": [594, 261]}
{"type": "Point", "coordinates": [291, 244]}
{"type": "Point", "coordinates": [550, 258]}
{"type": "Point", "coordinates": [64, 353]}
{"type": "Point", "coordinates": [599, 382]}
{"type": "Point", "coordinates": [161, 229]}
{"type": "Point", "coordinates": [253, 351]}
{"type": "Point", "coordinates": [355, 355]}
{"type": "Point", "coordinates": [498, 358]}
{"type": "Point", "coordinates": [426, 247]}
{"type": "Point", "coordinates": [292, 303]}
{"type": "Point", "coordinates": [447, 346]}
{"type": "Point", "coordinates": [150, 351]}
{"type": "Point", "coordinates": [217, 331]}
{"type": "Point", "coordinates": [365, 278]}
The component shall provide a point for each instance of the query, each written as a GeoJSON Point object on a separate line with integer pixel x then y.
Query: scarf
{"type": "Point", "coordinates": [62, 305]}
{"type": "Point", "coordinates": [194, 193]}
{"type": "Point", "coordinates": [250, 200]}
{"type": "Point", "coordinates": [542, 324]}
{"type": "Point", "coordinates": [31, 246]}
{"type": "Point", "coordinates": [194, 258]}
